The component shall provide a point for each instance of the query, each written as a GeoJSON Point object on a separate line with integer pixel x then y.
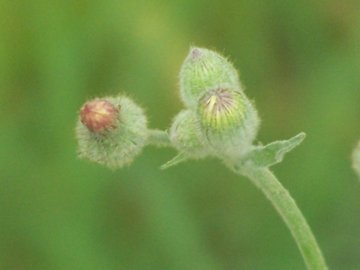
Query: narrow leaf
{"type": "Point", "coordinates": [174, 161]}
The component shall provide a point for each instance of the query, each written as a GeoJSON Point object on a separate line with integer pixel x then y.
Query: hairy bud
{"type": "Point", "coordinates": [186, 137]}
{"type": "Point", "coordinates": [228, 120]}
{"type": "Point", "coordinates": [111, 131]}
{"type": "Point", "coordinates": [204, 69]}
{"type": "Point", "coordinates": [210, 87]}
{"type": "Point", "coordinates": [221, 110]}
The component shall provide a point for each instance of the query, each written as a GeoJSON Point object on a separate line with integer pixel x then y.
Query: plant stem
{"type": "Point", "coordinates": [265, 180]}
{"type": "Point", "coordinates": [159, 138]}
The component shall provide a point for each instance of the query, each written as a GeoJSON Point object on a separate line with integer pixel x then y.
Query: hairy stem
{"type": "Point", "coordinates": [265, 180]}
{"type": "Point", "coordinates": [159, 138]}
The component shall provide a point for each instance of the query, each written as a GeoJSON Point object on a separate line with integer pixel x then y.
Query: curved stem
{"type": "Point", "coordinates": [265, 180]}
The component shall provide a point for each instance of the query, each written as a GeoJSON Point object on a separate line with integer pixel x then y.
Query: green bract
{"type": "Point", "coordinates": [118, 144]}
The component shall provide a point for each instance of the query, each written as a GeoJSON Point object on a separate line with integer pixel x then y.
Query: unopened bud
{"type": "Point", "coordinates": [111, 131]}
{"type": "Point", "coordinates": [205, 69]}
{"type": "Point", "coordinates": [99, 115]}
{"type": "Point", "coordinates": [186, 136]}
{"type": "Point", "coordinates": [228, 120]}
{"type": "Point", "coordinates": [221, 110]}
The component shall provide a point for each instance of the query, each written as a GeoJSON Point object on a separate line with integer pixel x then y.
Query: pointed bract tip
{"type": "Point", "coordinates": [195, 53]}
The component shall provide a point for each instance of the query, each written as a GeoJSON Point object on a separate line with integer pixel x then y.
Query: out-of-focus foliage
{"type": "Point", "coordinates": [300, 61]}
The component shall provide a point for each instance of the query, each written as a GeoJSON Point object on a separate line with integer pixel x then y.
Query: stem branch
{"type": "Point", "coordinates": [159, 138]}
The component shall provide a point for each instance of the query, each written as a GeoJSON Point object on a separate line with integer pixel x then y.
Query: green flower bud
{"type": "Point", "coordinates": [204, 69]}
{"type": "Point", "coordinates": [221, 110]}
{"type": "Point", "coordinates": [228, 120]}
{"type": "Point", "coordinates": [356, 159]}
{"type": "Point", "coordinates": [185, 135]}
{"type": "Point", "coordinates": [111, 131]}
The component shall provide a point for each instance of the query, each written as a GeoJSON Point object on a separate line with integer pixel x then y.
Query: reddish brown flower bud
{"type": "Point", "coordinates": [99, 115]}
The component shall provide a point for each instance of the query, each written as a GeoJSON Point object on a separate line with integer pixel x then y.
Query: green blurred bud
{"type": "Point", "coordinates": [356, 159]}
{"type": "Point", "coordinates": [228, 120]}
{"type": "Point", "coordinates": [204, 69]}
{"type": "Point", "coordinates": [186, 136]}
{"type": "Point", "coordinates": [111, 131]}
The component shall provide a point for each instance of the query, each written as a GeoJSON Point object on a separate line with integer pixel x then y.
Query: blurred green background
{"type": "Point", "coordinates": [300, 61]}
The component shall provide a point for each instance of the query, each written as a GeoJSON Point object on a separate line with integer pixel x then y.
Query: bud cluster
{"type": "Point", "coordinates": [219, 120]}
{"type": "Point", "coordinates": [223, 120]}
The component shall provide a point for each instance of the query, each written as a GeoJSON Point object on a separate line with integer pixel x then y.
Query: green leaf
{"type": "Point", "coordinates": [174, 161]}
{"type": "Point", "coordinates": [356, 159]}
{"type": "Point", "coordinates": [273, 153]}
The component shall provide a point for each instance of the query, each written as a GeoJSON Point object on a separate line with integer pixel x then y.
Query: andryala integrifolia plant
{"type": "Point", "coordinates": [218, 120]}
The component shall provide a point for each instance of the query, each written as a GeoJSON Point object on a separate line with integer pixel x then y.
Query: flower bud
{"type": "Point", "coordinates": [99, 115]}
{"type": "Point", "coordinates": [111, 131]}
{"type": "Point", "coordinates": [356, 159]}
{"type": "Point", "coordinates": [228, 120]}
{"type": "Point", "coordinates": [185, 135]}
{"type": "Point", "coordinates": [204, 69]}
{"type": "Point", "coordinates": [221, 110]}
